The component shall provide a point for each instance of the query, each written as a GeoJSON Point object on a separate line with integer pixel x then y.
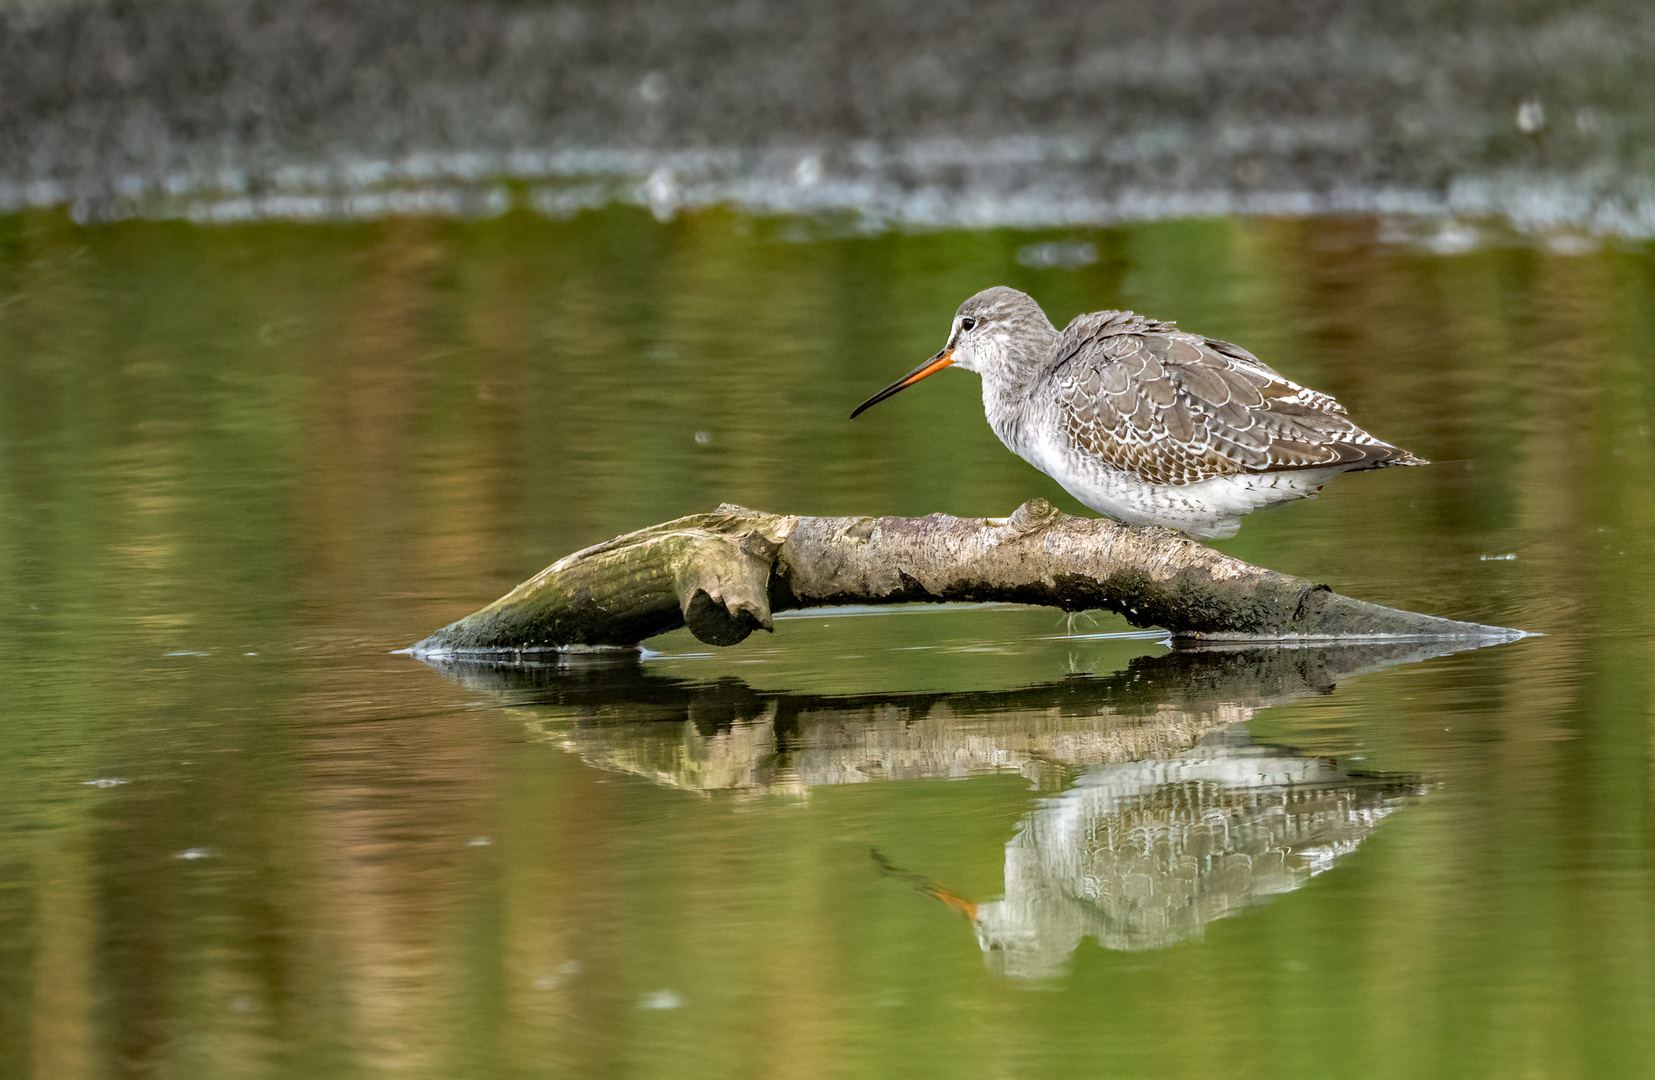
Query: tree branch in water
{"type": "Point", "coordinates": [725, 573]}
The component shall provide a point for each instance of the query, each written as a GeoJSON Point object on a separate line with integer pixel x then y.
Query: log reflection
{"type": "Point", "coordinates": [724, 736]}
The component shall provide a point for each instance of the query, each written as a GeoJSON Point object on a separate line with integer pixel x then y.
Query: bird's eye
{"type": "Point", "coordinates": [968, 323]}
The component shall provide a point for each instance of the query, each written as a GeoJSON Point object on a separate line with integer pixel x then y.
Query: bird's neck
{"type": "Point", "coordinates": [1006, 382]}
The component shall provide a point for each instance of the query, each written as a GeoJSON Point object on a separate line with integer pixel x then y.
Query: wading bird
{"type": "Point", "coordinates": [1147, 423]}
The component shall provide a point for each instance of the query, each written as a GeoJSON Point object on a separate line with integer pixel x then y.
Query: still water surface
{"type": "Point", "coordinates": [240, 837]}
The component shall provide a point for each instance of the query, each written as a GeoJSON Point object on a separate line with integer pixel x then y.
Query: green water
{"type": "Point", "coordinates": [240, 837]}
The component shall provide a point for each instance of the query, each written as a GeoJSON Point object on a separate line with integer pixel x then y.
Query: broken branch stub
{"type": "Point", "coordinates": [723, 574]}
{"type": "Point", "coordinates": [708, 572]}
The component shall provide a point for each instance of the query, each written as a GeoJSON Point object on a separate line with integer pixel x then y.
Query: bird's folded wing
{"type": "Point", "coordinates": [1175, 408]}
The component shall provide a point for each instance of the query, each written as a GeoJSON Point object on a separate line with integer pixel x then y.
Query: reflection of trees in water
{"type": "Point", "coordinates": [1168, 817]}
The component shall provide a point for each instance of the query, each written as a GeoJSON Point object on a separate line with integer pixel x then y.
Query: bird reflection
{"type": "Point", "coordinates": [1142, 855]}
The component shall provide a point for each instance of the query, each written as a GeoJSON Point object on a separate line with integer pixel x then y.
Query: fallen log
{"type": "Point", "coordinates": [724, 574]}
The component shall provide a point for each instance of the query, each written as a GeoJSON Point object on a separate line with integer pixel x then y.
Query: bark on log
{"type": "Point", "coordinates": [725, 573]}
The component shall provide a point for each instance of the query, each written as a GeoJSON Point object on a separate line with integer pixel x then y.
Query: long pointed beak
{"type": "Point", "coordinates": [930, 367]}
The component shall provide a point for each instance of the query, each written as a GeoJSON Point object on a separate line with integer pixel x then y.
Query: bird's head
{"type": "Point", "coordinates": [998, 332]}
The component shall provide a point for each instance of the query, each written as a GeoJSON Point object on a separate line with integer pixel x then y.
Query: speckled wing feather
{"type": "Point", "coordinates": [1174, 408]}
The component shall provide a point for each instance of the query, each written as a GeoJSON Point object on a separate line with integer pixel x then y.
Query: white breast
{"type": "Point", "coordinates": [1207, 509]}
